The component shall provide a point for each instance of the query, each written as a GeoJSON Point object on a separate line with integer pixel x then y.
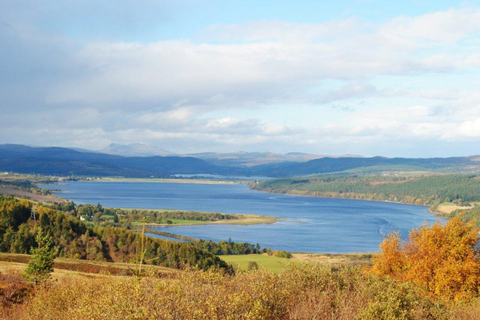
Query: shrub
{"type": "Point", "coordinates": [252, 265]}
{"type": "Point", "coordinates": [281, 254]}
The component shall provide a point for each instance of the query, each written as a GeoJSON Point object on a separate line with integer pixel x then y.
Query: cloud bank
{"type": "Point", "coordinates": [405, 86]}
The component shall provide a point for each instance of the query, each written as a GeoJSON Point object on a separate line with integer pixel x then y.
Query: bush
{"type": "Point", "coordinates": [252, 265]}
{"type": "Point", "coordinates": [281, 254]}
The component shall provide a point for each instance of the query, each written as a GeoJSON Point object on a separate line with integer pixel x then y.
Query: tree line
{"type": "Point", "coordinates": [74, 239]}
{"type": "Point", "coordinates": [427, 190]}
{"type": "Point", "coordinates": [125, 217]}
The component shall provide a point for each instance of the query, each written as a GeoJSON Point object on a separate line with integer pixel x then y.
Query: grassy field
{"type": "Point", "coordinates": [449, 207]}
{"type": "Point", "coordinates": [263, 261]}
{"type": "Point", "coordinates": [277, 264]}
{"type": "Point", "coordinates": [63, 266]}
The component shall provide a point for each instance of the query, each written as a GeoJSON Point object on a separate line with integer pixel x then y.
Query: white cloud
{"type": "Point", "coordinates": [437, 28]}
{"type": "Point", "coordinates": [265, 30]}
{"type": "Point", "coordinates": [68, 91]}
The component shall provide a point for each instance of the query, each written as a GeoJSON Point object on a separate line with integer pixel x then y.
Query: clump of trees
{"type": "Point", "coordinates": [443, 260]}
{"type": "Point", "coordinates": [228, 247]}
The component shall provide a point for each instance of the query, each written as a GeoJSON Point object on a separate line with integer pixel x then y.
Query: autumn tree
{"type": "Point", "coordinates": [443, 260]}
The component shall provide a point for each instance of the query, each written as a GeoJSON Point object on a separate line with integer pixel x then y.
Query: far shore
{"type": "Point", "coordinates": [442, 210]}
{"type": "Point", "coordinates": [168, 180]}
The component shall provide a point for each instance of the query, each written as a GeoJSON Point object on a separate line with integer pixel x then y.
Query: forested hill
{"type": "Point", "coordinates": [74, 239]}
{"type": "Point", "coordinates": [64, 162]}
{"type": "Point", "coordinates": [429, 190]}
{"type": "Point", "coordinates": [329, 165]}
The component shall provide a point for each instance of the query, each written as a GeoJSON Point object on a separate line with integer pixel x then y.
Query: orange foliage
{"type": "Point", "coordinates": [443, 260]}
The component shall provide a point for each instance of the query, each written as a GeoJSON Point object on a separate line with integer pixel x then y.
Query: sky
{"type": "Point", "coordinates": [363, 77]}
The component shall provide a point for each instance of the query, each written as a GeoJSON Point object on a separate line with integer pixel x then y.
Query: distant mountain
{"type": "Point", "coordinates": [250, 159]}
{"type": "Point", "coordinates": [64, 161]}
{"type": "Point", "coordinates": [135, 150]}
{"type": "Point", "coordinates": [329, 165]}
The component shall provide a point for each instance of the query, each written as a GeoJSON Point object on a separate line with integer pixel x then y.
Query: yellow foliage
{"type": "Point", "coordinates": [443, 260]}
{"type": "Point", "coordinates": [307, 292]}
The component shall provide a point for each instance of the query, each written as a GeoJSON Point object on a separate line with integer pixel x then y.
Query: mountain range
{"type": "Point", "coordinates": [67, 162]}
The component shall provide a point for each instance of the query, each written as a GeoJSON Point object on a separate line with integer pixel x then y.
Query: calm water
{"type": "Point", "coordinates": [308, 225]}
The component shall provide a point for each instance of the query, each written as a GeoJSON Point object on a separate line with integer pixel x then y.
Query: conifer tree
{"type": "Point", "coordinates": [41, 263]}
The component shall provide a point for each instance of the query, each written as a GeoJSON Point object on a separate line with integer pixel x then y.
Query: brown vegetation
{"type": "Point", "coordinates": [23, 194]}
{"type": "Point", "coordinates": [335, 260]}
{"type": "Point", "coordinates": [18, 262]}
{"type": "Point", "coordinates": [307, 292]}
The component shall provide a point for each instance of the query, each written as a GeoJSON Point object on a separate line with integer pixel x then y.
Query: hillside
{"type": "Point", "coordinates": [429, 190]}
{"type": "Point", "coordinates": [74, 239]}
{"type": "Point", "coordinates": [329, 165]}
{"type": "Point", "coordinates": [67, 162]}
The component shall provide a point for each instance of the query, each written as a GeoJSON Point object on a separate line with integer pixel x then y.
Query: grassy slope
{"type": "Point", "coordinates": [278, 265]}
{"type": "Point", "coordinates": [64, 267]}
{"type": "Point", "coordinates": [263, 261]}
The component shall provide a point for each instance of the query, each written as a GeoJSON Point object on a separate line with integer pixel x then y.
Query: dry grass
{"type": "Point", "coordinates": [450, 207]}
{"type": "Point", "coordinates": [307, 292]}
{"type": "Point", "coordinates": [65, 267]}
{"type": "Point", "coordinates": [22, 194]}
{"type": "Point", "coordinates": [246, 219]}
{"type": "Point", "coordinates": [310, 292]}
{"type": "Point", "coordinates": [335, 260]}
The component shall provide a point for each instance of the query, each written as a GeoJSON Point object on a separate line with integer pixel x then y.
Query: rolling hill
{"type": "Point", "coordinates": [65, 162]}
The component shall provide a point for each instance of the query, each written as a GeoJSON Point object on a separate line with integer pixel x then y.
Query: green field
{"type": "Point", "coordinates": [263, 261]}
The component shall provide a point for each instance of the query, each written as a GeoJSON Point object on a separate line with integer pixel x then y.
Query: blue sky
{"type": "Point", "coordinates": [392, 78]}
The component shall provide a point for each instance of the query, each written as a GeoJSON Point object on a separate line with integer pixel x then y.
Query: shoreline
{"type": "Point", "coordinates": [290, 193]}
{"type": "Point", "coordinates": [244, 219]}
{"type": "Point", "coordinates": [166, 180]}
{"type": "Point", "coordinates": [249, 184]}
{"type": "Point", "coordinates": [437, 213]}
{"type": "Point", "coordinates": [300, 193]}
